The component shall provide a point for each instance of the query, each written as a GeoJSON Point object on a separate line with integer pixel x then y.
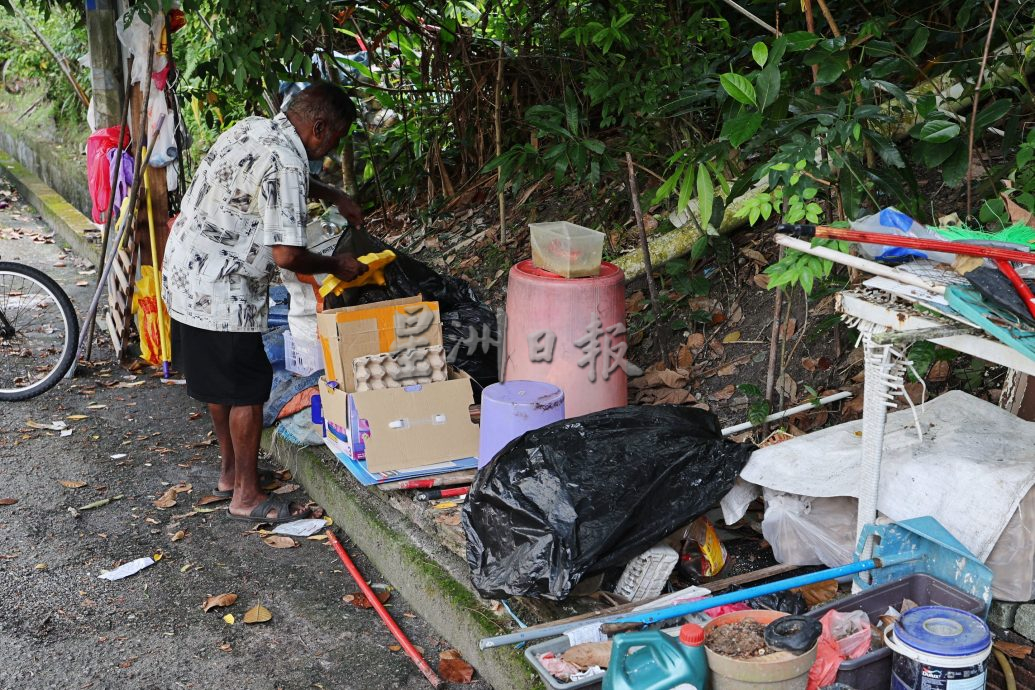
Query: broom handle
{"type": "Point", "coordinates": [863, 237]}
{"type": "Point", "coordinates": [685, 609]}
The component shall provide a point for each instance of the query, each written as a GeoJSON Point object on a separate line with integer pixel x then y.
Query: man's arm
{"type": "Point", "coordinates": [301, 260]}
{"type": "Point", "coordinates": [336, 197]}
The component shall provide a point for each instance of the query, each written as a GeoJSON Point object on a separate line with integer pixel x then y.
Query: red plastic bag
{"type": "Point", "coordinates": [98, 170]}
{"type": "Point", "coordinates": [845, 636]}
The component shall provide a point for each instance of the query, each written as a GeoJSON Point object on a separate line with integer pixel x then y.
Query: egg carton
{"type": "Point", "coordinates": [419, 365]}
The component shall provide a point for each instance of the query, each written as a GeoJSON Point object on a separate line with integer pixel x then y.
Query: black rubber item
{"type": "Point", "coordinates": [793, 633]}
{"type": "Point", "coordinates": [797, 229]}
{"type": "Point", "coordinates": [998, 291]}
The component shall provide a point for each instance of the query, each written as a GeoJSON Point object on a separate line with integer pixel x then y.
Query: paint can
{"type": "Point", "coordinates": [939, 648]}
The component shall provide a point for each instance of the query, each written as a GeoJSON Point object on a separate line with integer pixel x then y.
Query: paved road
{"type": "Point", "coordinates": [62, 627]}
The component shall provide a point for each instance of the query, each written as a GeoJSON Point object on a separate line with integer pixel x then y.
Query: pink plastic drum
{"type": "Point", "coordinates": [568, 332]}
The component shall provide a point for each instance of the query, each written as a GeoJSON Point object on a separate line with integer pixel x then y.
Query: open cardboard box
{"type": "Point", "coordinates": [369, 329]}
{"type": "Point", "coordinates": [403, 428]}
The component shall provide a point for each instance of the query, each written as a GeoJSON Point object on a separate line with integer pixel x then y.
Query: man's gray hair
{"type": "Point", "coordinates": [324, 101]}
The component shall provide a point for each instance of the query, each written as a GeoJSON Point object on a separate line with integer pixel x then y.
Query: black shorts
{"type": "Point", "coordinates": [222, 368]}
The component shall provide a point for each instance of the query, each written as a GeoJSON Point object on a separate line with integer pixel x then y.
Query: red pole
{"type": "Point", "coordinates": [921, 243]}
{"type": "Point", "coordinates": [393, 627]}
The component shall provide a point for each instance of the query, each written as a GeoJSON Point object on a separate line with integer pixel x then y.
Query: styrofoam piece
{"type": "Point", "coordinates": [420, 365]}
{"type": "Point", "coordinates": [645, 576]}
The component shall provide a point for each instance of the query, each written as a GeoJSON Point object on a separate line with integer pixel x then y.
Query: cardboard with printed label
{"type": "Point", "coordinates": [403, 428]}
{"type": "Point", "coordinates": [370, 329]}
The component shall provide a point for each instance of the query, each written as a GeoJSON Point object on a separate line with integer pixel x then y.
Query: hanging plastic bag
{"type": "Point", "coordinates": [135, 36]}
{"type": "Point", "coordinates": [469, 330]}
{"type": "Point", "coordinates": [810, 531]}
{"type": "Point", "coordinates": [165, 143]}
{"type": "Point", "coordinates": [588, 493]}
{"type": "Point", "coordinates": [101, 146]}
{"type": "Point", "coordinates": [145, 307]}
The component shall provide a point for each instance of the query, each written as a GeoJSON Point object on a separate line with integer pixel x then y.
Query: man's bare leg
{"type": "Point", "coordinates": [246, 432]}
{"type": "Point", "coordinates": [221, 424]}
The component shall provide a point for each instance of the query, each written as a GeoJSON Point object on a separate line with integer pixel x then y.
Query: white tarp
{"type": "Point", "coordinates": [975, 465]}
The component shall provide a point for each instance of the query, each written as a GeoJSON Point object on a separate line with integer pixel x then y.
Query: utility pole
{"type": "Point", "coordinates": [105, 62]}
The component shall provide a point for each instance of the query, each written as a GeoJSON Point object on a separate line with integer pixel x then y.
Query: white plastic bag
{"type": "Point", "coordinates": [1011, 559]}
{"type": "Point", "coordinates": [810, 531]}
{"type": "Point", "coordinates": [164, 144]}
{"type": "Point", "coordinates": [135, 36]}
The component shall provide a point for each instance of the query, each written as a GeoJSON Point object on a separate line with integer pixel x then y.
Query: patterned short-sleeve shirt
{"type": "Point", "coordinates": [248, 193]}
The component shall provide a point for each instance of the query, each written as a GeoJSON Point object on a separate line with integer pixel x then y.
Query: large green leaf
{"type": "Point", "coordinates": [939, 131]}
{"type": "Point", "coordinates": [739, 129]}
{"type": "Point", "coordinates": [705, 194]}
{"type": "Point", "coordinates": [760, 53]}
{"type": "Point", "coordinates": [800, 40]}
{"type": "Point", "coordinates": [918, 42]}
{"type": "Point", "coordinates": [767, 86]}
{"type": "Point", "coordinates": [989, 115]}
{"type": "Point", "coordinates": [955, 168]}
{"type": "Point", "coordinates": [886, 149]}
{"type": "Point", "coordinates": [933, 155]}
{"type": "Point", "coordinates": [739, 88]}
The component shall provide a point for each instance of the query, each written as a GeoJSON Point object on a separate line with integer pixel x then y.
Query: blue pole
{"type": "Point", "coordinates": [679, 610]}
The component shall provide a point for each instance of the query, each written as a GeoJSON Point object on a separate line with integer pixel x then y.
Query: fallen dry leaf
{"type": "Point", "coordinates": [731, 337]}
{"type": "Point", "coordinates": [167, 500]}
{"type": "Point", "coordinates": [448, 519]}
{"type": "Point", "coordinates": [394, 648]}
{"type": "Point", "coordinates": [286, 489]}
{"type": "Point", "coordinates": [229, 618]}
{"type": "Point", "coordinates": [939, 372]}
{"type": "Point", "coordinates": [220, 600]}
{"type": "Point", "coordinates": [453, 668]}
{"type": "Point", "coordinates": [226, 647]}
{"type": "Point", "coordinates": [279, 542]}
{"type": "Point", "coordinates": [965, 264]}
{"type": "Point", "coordinates": [360, 600]}
{"type": "Point", "coordinates": [818, 593]}
{"type": "Point", "coordinates": [589, 654]}
{"type": "Point", "coordinates": [755, 255]}
{"type": "Point", "coordinates": [1012, 649]}
{"type": "Point", "coordinates": [695, 341]}
{"type": "Point", "coordinates": [788, 385]}
{"type": "Point", "coordinates": [1017, 213]}
{"type": "Point", "coordinates": [180, 534]}
{"type": "Point", "coordinates": [257, 614]}
{"type": "Point", "coordinates": [788, 328]}
{"type": "Point", "coordinates": [77, 417]}
{"type": "Point", "coordinates": [205, 500]}
{"type": "Point", "coordinates": [68, 484]}
{"type": "Point", "coordinates": [761, 280]}
{"type": "Point", "coordinates": [724, 393]}
{"type": "Point", "coordinates": [8, 501]}
{"type": "Point", "coordinates": [728, 370]}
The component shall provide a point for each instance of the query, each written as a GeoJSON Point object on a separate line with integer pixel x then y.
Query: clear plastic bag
{"type": "Point", "coordinates": [1012, 559]}
{"type": "Point", "coordinates": [810, 531]}
{"type": "Point", "coordinates": [845, 636]}
{"type": "Point", "coordinates": [891, 221]}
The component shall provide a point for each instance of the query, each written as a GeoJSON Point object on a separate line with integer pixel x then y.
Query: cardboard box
{"type": "Point", "coordinates": [402, 428]}
{"type": "Point", "coordinates": [371, 329]}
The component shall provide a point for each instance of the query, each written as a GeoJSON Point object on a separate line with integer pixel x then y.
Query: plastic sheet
{"type": "Point", "coordinates": [588, 493]}
{"type": "Point", "coordinates": [891, 221]}
{"type": "Point", "coordinates": [469, 329]}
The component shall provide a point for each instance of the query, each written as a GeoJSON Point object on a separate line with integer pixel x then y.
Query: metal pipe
{"type": "Point", "coordinates": [393, 627]}
{"type": "Point", "coordinates": [789, 412]}
{"type": "Point", "coordinates": [685, 609]}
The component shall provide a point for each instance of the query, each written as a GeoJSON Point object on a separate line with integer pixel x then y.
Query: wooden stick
{"type": "Point", "coordinates": [634, 192]}
{"type": "Point", "coordinates": [974, 109]}
{"type": "Point", "coordinates": [499, 146]}
{"type": "Point", "coordinates": [54, 54]}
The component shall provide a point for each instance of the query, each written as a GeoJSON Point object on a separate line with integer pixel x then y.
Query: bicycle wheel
{"type": "Point", "coordinates": [39, 332]}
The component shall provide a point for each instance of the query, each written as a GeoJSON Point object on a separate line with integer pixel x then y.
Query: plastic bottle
{"type": "Point", "coordinates": [662, 662]}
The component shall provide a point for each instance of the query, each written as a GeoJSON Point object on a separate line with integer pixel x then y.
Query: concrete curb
{"type": "Point", "coordinates": [430, 577]}
{"type": "Point", "coordinates": [73, 227]}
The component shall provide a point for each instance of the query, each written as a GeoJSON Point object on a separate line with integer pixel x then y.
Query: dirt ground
{"type": "Point", "coordinates": [132, 438]}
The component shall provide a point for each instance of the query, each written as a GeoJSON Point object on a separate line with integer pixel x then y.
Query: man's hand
{"type": "Point", "coordinates": [347, 267]}
{"type": "Point", "coordinates": [349, 208]}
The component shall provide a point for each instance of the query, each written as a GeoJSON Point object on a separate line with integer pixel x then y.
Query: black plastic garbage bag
{"type": "Point", "coordinates": [469, 327]}
{"type": "Point", "coordinates": [585, 494]}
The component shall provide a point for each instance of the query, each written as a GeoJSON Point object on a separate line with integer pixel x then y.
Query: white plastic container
{"type": "Point", "coordinates": [569, 250]}
{"type": "Point", "coordinates": [645, 576]}
{"type": "Point", "coordinates": [302, 356]}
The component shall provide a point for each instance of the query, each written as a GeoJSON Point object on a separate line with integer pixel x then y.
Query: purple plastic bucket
{"type": "Point", "coordinates": [510, 409]}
